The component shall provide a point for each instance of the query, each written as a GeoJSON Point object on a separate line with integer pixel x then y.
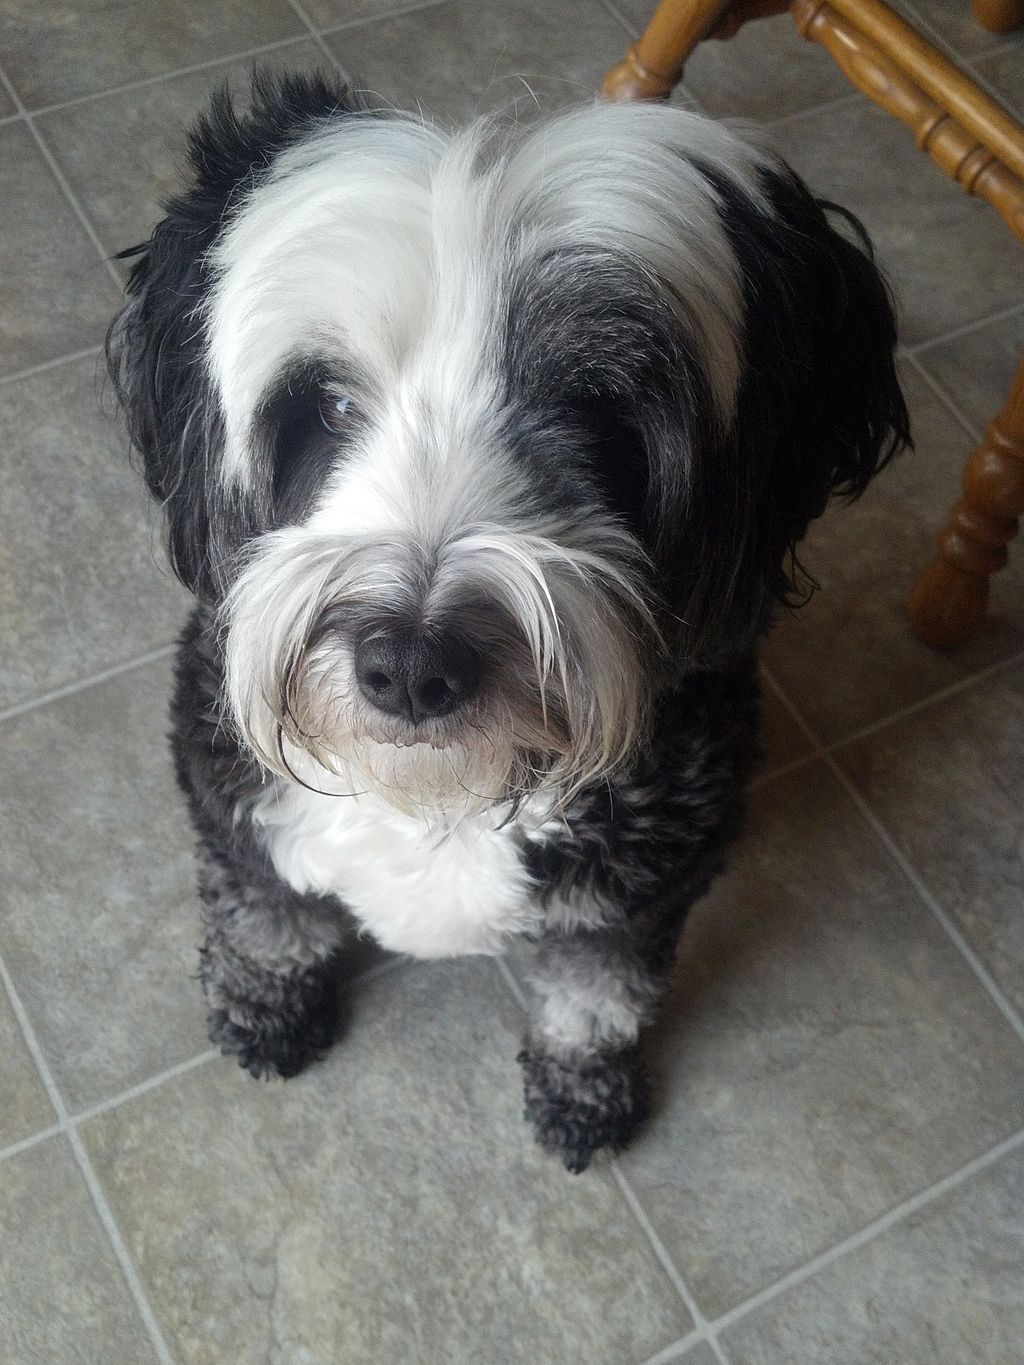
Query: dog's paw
{"type": "Point", "coordinates": [269, 1044]}
{"type": "Point", "coordinates": [578, 1110]}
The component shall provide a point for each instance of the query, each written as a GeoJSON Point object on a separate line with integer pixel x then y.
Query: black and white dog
{"type": "Point", "coordinates": [485, 455]}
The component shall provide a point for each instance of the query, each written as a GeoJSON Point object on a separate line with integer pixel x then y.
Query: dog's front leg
{"type": "Point", "coordinates": [593, 992]}
{"type": "Point", "coordinates": [269, 966]}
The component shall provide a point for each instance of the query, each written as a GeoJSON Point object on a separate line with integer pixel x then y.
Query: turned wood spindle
{"type": "Point", "coordinates": [977, 144]}
{"type": "Point", "coordinates": [961, 132]}
{"type": "Point", "coordinates": [950, 598]}
{"type": "Point", "coordinates": [654, 63]}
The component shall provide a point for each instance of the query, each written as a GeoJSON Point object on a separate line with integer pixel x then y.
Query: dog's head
{"type": "Point", "coordinates": [478, 441]}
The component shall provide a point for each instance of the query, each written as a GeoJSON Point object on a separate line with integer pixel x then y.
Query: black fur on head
{"type": "Point", "coordinates": [819, 411]}
{"type": "Point", "coordinates": [155, 346]}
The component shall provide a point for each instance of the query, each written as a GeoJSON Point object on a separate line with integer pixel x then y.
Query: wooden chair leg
{"type": "Point", "coordinates": [654, 63]}
{"type": "Point", "coordinates": [949, 600]}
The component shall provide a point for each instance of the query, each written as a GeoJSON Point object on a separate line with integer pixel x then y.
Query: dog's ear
{"type": "Point", "coordinates": [156, 344]}
{"type": "Point", "coordinates": [819, 409]}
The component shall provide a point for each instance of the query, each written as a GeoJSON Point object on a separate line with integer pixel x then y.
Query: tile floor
{"type": "Point", "coordinates": [835, 1171]}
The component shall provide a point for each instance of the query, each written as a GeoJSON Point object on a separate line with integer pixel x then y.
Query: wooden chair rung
{"type": "Point", "coordinates": [939, 78]}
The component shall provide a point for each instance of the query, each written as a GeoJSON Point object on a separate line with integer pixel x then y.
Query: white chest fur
{"type": "Point", "coordinates": [418, 887]}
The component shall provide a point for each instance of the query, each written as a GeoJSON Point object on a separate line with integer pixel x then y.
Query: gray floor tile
{"type": "Point", "coordinates": [848, 658]}
{"type": "Point", "coordinates": [782, 740]}
{"type": "Point", "coordinates": [54, 50]}
{"type": "Point", "coordinates": [943, 1288]}
{"type": "Point", "coordinates": [79, 546]}
{"type": "Point", "coordinates": [826, 1053]}
{"type": "Point", "coordinates": [978, 369]}
{"type": "Point", "coordinates": [123, 154]}
{"type": "Point", "coordinates": [765, 72]}
{"type": "Point", "coordinates": [63, 1300]}
{"type": "Point", "coordinates": [950, 257]}
{"type": "Point", "coordinates": [7, 105]}
{"type": "Point", "coordinates": [390, 1199]}
{"type": "Point", "coordinates": [100, 924]}
{"type": "Point", "coordinates": [470, 56]}
{"type": "Point", "coordinates": [945, 783]}
{"type": "Point", "coordinates": [57, 295]}
{"type": "Point", "coordinates": [25, 1108]}
{"type": "Point", "coordinates": [701, 1354]}
{"type": "Point", "coordinates": [1004, 71]}
{"type": "Point", "coordinates": [955, 26]}
{"type": "Point", "coordinates": [330, 13]}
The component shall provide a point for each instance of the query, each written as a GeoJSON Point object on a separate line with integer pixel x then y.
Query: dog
{"type": "Point", "coordinates": [485, 454]}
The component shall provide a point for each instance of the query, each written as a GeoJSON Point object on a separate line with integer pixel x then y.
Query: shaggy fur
{"type": "Point", "coordinates": [486, 455]}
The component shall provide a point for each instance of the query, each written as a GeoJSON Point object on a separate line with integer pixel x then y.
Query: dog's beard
{"type": "Point", "coordinates": [565, 637]}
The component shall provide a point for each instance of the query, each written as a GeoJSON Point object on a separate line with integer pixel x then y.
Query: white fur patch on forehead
{"type": "Point", "coordinates": [386, 240]}
{"type": "Point", "coordinates": [331, 254]}
{"type": "Point", "coordinates": [627, 178]}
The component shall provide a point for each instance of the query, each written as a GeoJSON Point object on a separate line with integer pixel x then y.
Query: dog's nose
{"type": "Point", "coordinates": [412, 674]}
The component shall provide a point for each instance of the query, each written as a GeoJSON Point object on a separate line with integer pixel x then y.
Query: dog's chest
{"type": "Point", "coordinates": [418, 889]}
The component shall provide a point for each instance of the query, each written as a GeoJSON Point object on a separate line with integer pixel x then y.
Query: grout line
{"type": "Point", "coordinates": [706, 1330]}
{"type": "Point", "coordinates": [904, 864]}
{"type": "Point", "coordinates": [917, 17]}
{"type": "Point", "coordinates": [916, 881]}
{"type": "Point", "coordinates": [934, 698]}
{"type": "Point", "coordinates": [965, 329]}
{"type": "Point", "coordinates": [970, 65]}
{"type": "Point", "coordinates": [870, 1231]}
{"type": "Point", "coordinates": [161, 77]}
{"type": "Point", "coordinates": [393, 964]}
{"type": "Point", "coordinates": [251, 53]}
{"type": "Point", "coordinates": [120, 1249]}
{"type": "Point", "coordinates": [61, 180]}
{"type": "Point", "coordinates": [852, 98]}
{"type": "Point", "coordinates": [99, 1200]}
{"type": "Point", "coordinates": [76, 206]}
{"type": "Point", "coordinates": [621, 19]}
{"type": "Point", "coordinates": [781, 770]}
{"type": "Point", "coordinates": [171, 1072]}
{"type": "Point", "coordinates": [51, 364]}
{"type": "Point", "coordinates": [311, 28]}
{"type": "Point", "coordinates": [20, 112]}
{"type": "Point", "coordinates": [93, 680]}
{"type": "Point", "coordinates": [143, 1087]}
{"type": "Point", "coordinates": [675, 1350]}
{"type": "Point", "coordinates": [821, 749]}
{"type": "Point", "coordinates": [517, 992]}
{"type": "Point", "coordinates": [943, 395]}
{"type": "Point", "coordinates": [365, 20]}
{"type": "Point", "coordinates": [25, 1143]}
{"type": "Point", "coordinates": [945, 44]}
{"type": "Point", "coordinates": [701, 1330]}
{"type": "Point", "coordinates": [329, 56]}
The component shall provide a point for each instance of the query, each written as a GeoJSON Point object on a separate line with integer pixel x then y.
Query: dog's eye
{"type": "Point", "coordinates": [335, 411]}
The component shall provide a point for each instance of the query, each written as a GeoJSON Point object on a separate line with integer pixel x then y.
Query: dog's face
{"type": "Point", "coordinates": [477, 440]}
